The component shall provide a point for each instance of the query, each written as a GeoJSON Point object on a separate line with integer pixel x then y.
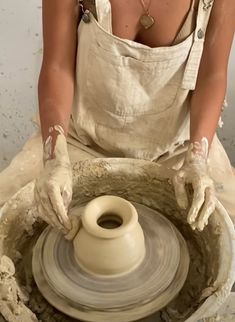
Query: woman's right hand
{"type": "Point", "coordinates": [53, 188]}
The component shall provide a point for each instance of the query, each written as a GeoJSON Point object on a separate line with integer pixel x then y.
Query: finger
{"type": "Point", "coordinates": [59, 208]}
{"type": "Point", "coordinates": [46, 210]}
{"type": "Point", "coordinates": [208, 209]}
{"type": "Point", "coordinates": [42, 216]}
{"type": "Point", "coordinates": [198, 200]}
{"type": "Point", "coordinates": [180, 191]}
{"type": "Point", "coordinates": [36, 196]}
{"type": "Point", "coordinates": [193, 226]}
{"type": "Point", "coordinates": [76, 222]}
{"type": "Point", "coordinates": [51, 224]}
{"type": "Point", "coordinates": [67, 197]}
{"type": "Point", "coordinates": [51, 215]}
{"type": "Point", "coordinates": [42, 211]}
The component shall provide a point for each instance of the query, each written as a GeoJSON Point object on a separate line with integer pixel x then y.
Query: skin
{"type": "Point", "coordinates": [126, 14]}
{"type": "Point", "coordinates": [57, 76]}
{"type": "Point", "coordinates": [210, 91]}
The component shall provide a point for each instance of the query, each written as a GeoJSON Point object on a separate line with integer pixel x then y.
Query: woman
{"type": "Point", "coordinates": [150, 83]}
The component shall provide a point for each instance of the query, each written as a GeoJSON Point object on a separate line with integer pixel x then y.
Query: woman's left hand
{"type": "Point", "coordinates": [194, 171]}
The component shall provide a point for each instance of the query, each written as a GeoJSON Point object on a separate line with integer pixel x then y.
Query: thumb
{"type": "Point", "coordinates": [180, 191]}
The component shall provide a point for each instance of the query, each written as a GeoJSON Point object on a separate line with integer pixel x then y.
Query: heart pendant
{"type": "Point", "coordinates": [147, 21]}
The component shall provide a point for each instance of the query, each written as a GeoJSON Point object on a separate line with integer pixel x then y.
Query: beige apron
{"type": "Point", "coordinates": [130, 101]}
{"type": "Point", "coordinates": [133, 100]}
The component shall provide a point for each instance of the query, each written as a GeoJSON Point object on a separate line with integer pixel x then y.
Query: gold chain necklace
{"type": "Point", "coordinates": [146, 20]}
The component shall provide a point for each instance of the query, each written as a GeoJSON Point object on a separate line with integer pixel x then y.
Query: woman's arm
{"type": "Point", "coordinates": [210, 91]}
{"type": "Point", "coordinates": [53, 188]}
{"type": "Point", "coordinates": [56, 80]}
{"type": "Point", "coordinates": [205, 109]}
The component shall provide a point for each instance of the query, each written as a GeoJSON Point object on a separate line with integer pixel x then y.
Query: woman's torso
{"type": "Point", "coordinates": [132, 100]}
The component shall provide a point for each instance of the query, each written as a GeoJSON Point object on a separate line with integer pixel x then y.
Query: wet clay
{"type": "Point", "coordinates": [195, 172]}
{"type": "Point", "coordinates": [134, 180]}
{"type": "Point", "coordinates": [53, 188]}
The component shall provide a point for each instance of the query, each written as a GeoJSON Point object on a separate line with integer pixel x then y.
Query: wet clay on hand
{"type": "Point", "coordinates": [194, 171]}
{"type": "Point", "coordinates": [53, 189]}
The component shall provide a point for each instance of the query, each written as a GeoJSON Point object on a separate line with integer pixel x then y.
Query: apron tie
{"type": "Point", "coordinates": [193, 63]}
{"type": "Point", "coordinates": [104, 14]}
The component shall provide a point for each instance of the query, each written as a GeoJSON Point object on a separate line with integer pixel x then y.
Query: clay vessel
{"type": "Point", "coordinates": [110, 241]}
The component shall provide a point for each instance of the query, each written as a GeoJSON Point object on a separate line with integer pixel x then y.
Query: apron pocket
{"type": "Point", "coordinates": [125, 86]}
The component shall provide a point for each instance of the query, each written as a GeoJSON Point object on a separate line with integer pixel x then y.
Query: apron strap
{"type": "Point", "coordinates": [104, 14]}
{"type": "Point", "coordinates": [194, 59]}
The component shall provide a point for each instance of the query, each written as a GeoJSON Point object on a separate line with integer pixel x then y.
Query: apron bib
{"type": "Point", "coordinates": [132, 100]}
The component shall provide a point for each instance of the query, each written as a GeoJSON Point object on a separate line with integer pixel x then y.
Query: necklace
{"type": "Point", "coordinates": [146, 20]}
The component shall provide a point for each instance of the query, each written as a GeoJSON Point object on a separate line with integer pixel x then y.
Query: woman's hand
{"type": "Point", "coordinates": [53, 188]}
{"type": "Point", "coordinates": [194, 172]}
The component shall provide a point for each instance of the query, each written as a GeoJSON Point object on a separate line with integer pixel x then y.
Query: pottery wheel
{"type": "Point", "coordinates": [147, 289]}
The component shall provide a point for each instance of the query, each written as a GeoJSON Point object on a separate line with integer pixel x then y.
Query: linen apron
{"type": "Point", "coordinates": [132, 100]}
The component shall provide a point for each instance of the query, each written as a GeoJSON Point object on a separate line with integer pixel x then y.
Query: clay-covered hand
{"type": "Point", "coordinates": [194, 172]}
{"type": "Point", "coordinates": [53, 188]}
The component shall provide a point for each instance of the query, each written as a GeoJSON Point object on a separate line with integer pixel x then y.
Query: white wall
{"type": "Point", "coordinates": [20, 59]}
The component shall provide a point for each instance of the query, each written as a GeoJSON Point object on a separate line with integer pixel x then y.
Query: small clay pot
{"type": "Point", "coordinates": [110, 241]}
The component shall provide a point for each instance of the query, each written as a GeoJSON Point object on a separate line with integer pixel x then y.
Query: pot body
{"type": "Point", "coordinates": [110, 241]}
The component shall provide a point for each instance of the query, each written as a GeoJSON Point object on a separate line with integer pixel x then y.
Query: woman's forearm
{"type": "Point", "coordinates": [56, 81]}
{"type": "Point", "coordinates": [55, 95]}
{"type": "Point", "coordinates": [206, 104]}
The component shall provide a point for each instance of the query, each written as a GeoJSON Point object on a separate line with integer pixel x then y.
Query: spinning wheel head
{"type": "Point", "coordinates": [127, 260]}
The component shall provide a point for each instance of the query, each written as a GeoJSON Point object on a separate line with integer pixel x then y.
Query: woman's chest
{"type": "Point", "coordinates": [169, 17]}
